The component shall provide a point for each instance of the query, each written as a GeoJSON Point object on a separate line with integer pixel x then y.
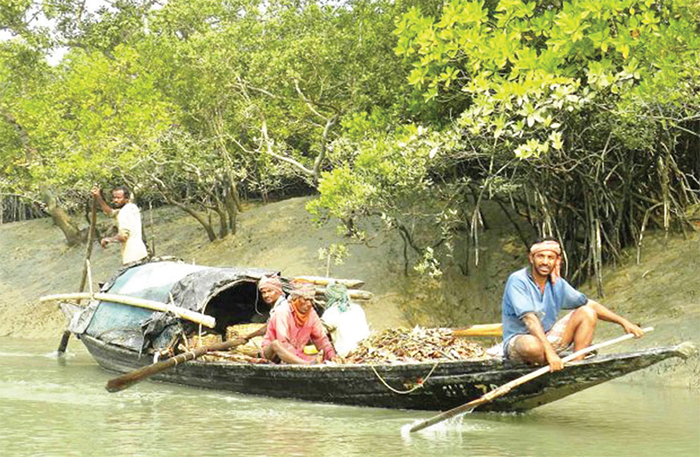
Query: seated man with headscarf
{"type": "Point", "coordinates": [345, 320]}
{"type": "Point", "coordinates": [292, 326]}
{"type": "Point", "coordinates": [532, 300]}
{"type": "Point", "coordinates": [271, 291]}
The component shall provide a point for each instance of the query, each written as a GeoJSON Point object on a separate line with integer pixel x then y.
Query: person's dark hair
{"type": "Point", "coordinates": [127, 193]}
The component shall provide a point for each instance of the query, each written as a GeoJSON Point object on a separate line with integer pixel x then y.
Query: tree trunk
{"type": "Point", "coordinates": [233, 206]}
{"type": "Point", "coordinates": [223, 221]}
{"type": "Point", "coordinates": [207, 225]}
{"type": "Point", "coordinates": [74, 236]}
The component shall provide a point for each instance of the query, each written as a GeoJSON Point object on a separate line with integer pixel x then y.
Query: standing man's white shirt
{"type": "Point", "coordinates": [129, 222]}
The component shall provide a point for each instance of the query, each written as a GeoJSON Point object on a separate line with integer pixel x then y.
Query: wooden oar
{"type": "Point", "coordinates": [131, 378]}
{"type": "Point", "coordinates": [505, 388]}
{"type": "Point", "coordinates": [480, 330]}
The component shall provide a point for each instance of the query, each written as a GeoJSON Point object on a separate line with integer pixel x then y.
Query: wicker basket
{"type": "Point", "coordinates": [253, 347]}
{"type": "Point", "coordinates": [240, 330]}
{"type": "Point", "coordinates": [204, 340]}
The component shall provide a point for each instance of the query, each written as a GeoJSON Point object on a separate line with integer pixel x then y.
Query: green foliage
{"type": "Point", "coordinates": [13, 14]}
{"type": "Point", "coordinates": [252, 93]}
{"type": "Point", "coordinates": [559, 106]}
{"type": "Point", "coordinates": [383, 169]}
{"type": "Point", "coordinates": [521, 65]}
{"type": "Point", "coordinates": [336, 253]}
{"type": "Point", "coordinates": [97, 119]}
{"type": "Point", "coordinates": [414, 112]}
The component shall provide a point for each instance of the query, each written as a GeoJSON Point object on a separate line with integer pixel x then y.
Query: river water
{"type": "Point", "coordinates": [59, 407]}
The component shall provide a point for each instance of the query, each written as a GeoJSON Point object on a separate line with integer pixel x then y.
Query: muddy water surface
{"type": "Point", "coordinates": [60, 408]}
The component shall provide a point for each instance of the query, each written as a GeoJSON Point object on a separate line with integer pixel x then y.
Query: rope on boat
{"type": "Point", "coordinates": [404, 392]}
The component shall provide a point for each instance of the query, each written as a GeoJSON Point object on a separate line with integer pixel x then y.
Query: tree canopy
{"type": "Point", "coordinates": [579, 116]}
{"type": "Point", "coordinates": [198, 100]}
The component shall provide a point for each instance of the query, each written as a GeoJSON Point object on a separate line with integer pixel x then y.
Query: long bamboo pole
{"type": "Point", "coordinates": [88, 248]}
{"type": "Point", "coordinates": [199, 318]}
{"type": "Point", "coordinates": [86, 270]}
{"type": "Point", "coordinates": [324, 281]}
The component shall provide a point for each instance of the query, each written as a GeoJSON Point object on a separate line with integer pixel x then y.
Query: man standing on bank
{"type": "Point", "coordinates": [532, 300]}
{"type": "Point", "coordinates": [128, 222]}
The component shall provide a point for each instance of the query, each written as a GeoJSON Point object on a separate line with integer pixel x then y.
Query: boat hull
{"type": "Point", "coordinates": [436, 386]}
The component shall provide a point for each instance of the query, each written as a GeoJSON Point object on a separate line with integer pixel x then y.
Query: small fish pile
{"type": "Point", "coordinates": [400, 345]}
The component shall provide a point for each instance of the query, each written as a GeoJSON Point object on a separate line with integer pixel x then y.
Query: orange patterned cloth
{"type": "Point", "coordinates": [305, 292]}
{"type": "Point", "coordinates": [283, 327]}
{"type": "Point", "coordinates": [300, 318]}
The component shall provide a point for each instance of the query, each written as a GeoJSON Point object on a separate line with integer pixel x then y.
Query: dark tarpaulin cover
{"type": "Point", "coordinates": [189, 286]}
{"type": "Point", "coordinates": [194, 290]}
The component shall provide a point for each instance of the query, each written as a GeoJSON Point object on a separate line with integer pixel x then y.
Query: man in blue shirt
{"type": "Point", "coordinates": [532, 300]}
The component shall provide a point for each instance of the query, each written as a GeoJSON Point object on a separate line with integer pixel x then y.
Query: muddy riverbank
{"type": "Point", "coordinates": [662, 290]}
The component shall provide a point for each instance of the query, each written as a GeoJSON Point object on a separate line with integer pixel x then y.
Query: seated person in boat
{"type": "Point", "coordinates": [345, 320]}
{"type": "Point", "coordinates": [271, 291]}
{"type": "Point", "coordinates": [292, 326]}
{"type": "Point", "coordinates": [532, 300]}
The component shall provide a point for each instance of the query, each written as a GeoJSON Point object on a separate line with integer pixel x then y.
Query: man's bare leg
{"type": "Point", "coordinates": [528, 349]}
{"type": "Point", "coordinates": [580, 329]}
{"type": "Point", "coordinates": [276, 348]}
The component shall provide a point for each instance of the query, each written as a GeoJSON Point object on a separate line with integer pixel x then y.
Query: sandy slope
{"type": "Point", "coordinates": [278, 236]}
{"type": "Point", "coordinates": [663, 290]}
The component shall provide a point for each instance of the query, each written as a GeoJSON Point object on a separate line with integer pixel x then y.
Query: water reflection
{"type": "Point", "coordinates": [49, 408]}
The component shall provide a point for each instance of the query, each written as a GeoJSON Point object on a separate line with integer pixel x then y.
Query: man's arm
{"type": "Point", "coordinates": [126, 219]}
{"type": "Point", "coordinates": [118, 238]}
{"type": "Point", "coordinates": [259, 332]}
{"type": "Point", "coordinates": [607, 315]}
{"type": "Point", "coordinates": [97, 195]}
{"type": "Point", "coordinates": [534, 326]}
{"type": "Point", "coordinates": [320, 339]}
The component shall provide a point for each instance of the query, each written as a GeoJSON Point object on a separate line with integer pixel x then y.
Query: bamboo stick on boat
{"type": "Point", "coordinates": [354, 294]}
{"type": "Point", "coordinates": [199, 318]}
{"type": "Point", "coordinates": [324, 281]}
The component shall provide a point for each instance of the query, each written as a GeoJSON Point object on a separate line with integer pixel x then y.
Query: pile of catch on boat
{"type": "Point", "coordinates": [395, 345]}
{"type": "Point", "coordinates": [401, 345]}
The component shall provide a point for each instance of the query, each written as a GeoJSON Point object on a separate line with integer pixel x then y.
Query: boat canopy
{"type": "Point", "coordinates": [228, 294]}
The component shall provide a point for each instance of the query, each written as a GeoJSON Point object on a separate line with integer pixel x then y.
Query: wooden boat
{"type": "Point", "coordinates": [123, 337]}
